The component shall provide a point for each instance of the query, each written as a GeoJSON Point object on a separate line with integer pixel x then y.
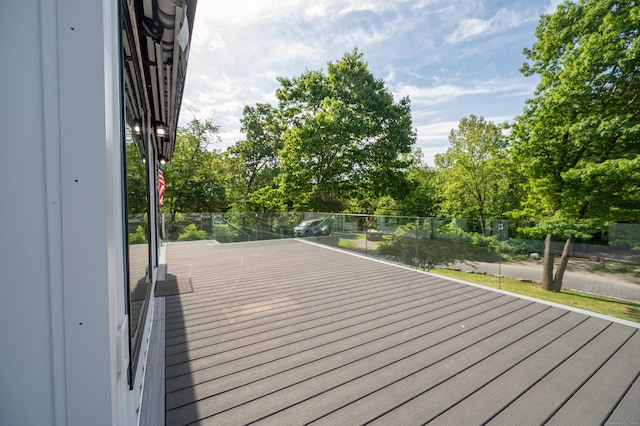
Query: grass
{"type": "Point", "coordinates": [347, 244]}
{"type": "Point", "coordinates": [629, 269]}
{"type": "Point", "coordinates": [602, 305]}
{"type": "Point", "coordinates": [355, 241]}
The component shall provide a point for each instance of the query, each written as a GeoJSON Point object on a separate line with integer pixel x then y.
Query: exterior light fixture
{"type": "Point", "coordinates": [163, 161]}
{"type": "Point", "coordinates": [137, 127]}
{"type": "Point", "coordinates": [161, 130]}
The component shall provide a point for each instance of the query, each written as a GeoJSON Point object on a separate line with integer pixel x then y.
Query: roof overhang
{"type": "Point", "coordinates": [156, 36]}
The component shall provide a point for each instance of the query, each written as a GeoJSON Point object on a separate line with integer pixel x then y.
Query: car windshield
{"type": "Point", "coordinates": [307, 223]}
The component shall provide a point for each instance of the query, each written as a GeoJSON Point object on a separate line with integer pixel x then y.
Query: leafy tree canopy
{"type": "Point", "coordinates": [344, 135]}
{"type": "Point", "coordinates": [193, 176]}
{"type": "Point", "coordinates": [254, 163]}
{"type": "Point", "coordinates": [472, 178]}
{"type": "Point", "coordinates": [578, 139]}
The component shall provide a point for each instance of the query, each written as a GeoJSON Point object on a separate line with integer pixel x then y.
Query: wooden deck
{"type": "Point", "coordinates": [285, 332]}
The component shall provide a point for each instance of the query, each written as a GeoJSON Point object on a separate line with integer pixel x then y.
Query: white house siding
{"type": "Point", "coordinates": [61, 263]}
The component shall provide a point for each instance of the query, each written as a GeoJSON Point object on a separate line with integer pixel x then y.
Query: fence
{"type": "Point", "coordinates": [423, 242]}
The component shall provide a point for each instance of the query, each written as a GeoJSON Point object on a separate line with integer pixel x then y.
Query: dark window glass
{"type": "Point", "coordinates": [139, 282]}
{"type": "Point", "coordinates": [135, 172]}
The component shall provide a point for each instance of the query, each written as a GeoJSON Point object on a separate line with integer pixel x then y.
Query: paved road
{"type": "Point", "coordinates": [575, 278]}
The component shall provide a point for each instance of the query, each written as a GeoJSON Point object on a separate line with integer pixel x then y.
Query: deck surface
{"type": "Point", "coordinates": [286, 333]}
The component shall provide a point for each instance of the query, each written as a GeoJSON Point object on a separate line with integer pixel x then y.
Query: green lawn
{"type": "Point", "coordinates": [616, 308]}
{"type": "Point", "coordinates": [612, 307]}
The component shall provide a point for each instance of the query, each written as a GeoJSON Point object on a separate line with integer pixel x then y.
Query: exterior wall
{"type": "Point", "coordinates": [64, 332]}
{"type": "Point", "coordinates": [29, 315]}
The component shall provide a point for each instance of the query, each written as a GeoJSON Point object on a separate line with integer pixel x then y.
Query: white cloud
{"type": "Point", "coordinates": [553, 6]}
{"type": "Point", "coordinates": [471, 28]}
{"type": "Point", "coordinates": [246, 13]}
{"type": "Point", "coordinates": [229, 138]}
{"type": "Point", "coordinates": [468, 28]}
{"type": "Point", "coordinates": [434, 95]}
{"type": "Point", "coordinates": [433, 138]}
{"type": "Point", "coordinates": [436, 132]}
{"type": "Point", "coordinates": [316, 11]}
{"type": "Point", "coordinates": [361, 6]}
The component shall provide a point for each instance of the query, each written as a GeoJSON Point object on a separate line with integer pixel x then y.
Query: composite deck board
{"type": "Point", "coordinates": [403, 375]}
{"type": "Point", "coordinates": [325, 314]}
{"type": "Point", "coordinates": [256, 320]}
{"type": "Point", "coordinates": [329, 328]}
{"type": "Point", "coordinates": [284, 332]}
{"type": "Point", "coordinates": [269, 343]}
{"type": "Point", "coordinates": [287, 285]}
{"type": "Point", "coordinates": [565, 336]}
{"type": "Point", "coordinates": [427, 369]}
{"type": "Point", "coordinates": [327, 317]}
{"type": "Point", "coordinates": [354, 338]}
{"type": "Point", "coordinates": [247, 403]}
{"type": "Point", "coordinates": [308, 292]}
{"type": "Point", "coordinates": [541, 401]}
{"type": "Point", "coordinates": [243, 312]}
{"type": "Point", "coordinates": [589, 400]}
{"type": "Point", "coordinates": [319, 359]}
{"type": "Point", "coordinates": [437, 403]}
{"type": "Point", "coordinates": [628, 410]}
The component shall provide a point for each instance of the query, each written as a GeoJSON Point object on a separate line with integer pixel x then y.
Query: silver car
{"type": "Point", "coordinates": [305, 228]}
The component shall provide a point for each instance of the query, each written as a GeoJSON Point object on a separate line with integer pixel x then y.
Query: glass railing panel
{"type": "Point", "coordinates": [421, 242]}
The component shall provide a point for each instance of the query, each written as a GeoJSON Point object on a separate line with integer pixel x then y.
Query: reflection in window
{"type": "Point", "coordinates": [139, 282]}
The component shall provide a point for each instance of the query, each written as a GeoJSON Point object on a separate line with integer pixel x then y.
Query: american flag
{"type": "Point", "coordinates": [161, 186]}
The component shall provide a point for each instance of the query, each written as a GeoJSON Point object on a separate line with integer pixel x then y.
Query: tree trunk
{"type": "Point", "coordinates": [547, 266]}
{"type": "Point", "coordinates": [550, 281]}
{"type": "Point", "coordinates": [484, 231]}
{"type": "Point", "coordinates": [562, 266]}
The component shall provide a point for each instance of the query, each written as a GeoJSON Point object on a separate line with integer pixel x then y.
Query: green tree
{"type": "Point", "coordinates": [254, 163]}
{"type": "Point", "coordinates": [578, 138]}
{"type": "Point", "coordinates": [345, 137]}
{"type": "Point", "coordinates": [397, 202]}
{"type": "Point", "coordinates": [193, 178]}
{"type": "Point", "coordinates": [471, 173]}
{"type": "Point", "coordinates": [136, 177]}
{"type": "Point", "coordinates": [423, 199]}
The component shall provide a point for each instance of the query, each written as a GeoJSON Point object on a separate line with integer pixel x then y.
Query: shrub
{"type": "Point", "coordinates": [225, 234]}
{"type": "Point", "coordinates": [191, 233]}
{"type": "Point", "coordinates": [450, 247]}
{"type": "Point", "coordinates": [138, 237]}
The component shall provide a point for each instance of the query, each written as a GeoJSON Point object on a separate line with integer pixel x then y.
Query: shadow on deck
{"type": "Point", "coordinates": [284, 332]}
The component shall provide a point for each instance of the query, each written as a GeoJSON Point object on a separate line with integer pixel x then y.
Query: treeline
{"type": "Point", "coordinates": [339, 142]}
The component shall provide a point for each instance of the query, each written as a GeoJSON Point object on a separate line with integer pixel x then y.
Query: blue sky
{"type": "Point", "coordinates": [452, 58]}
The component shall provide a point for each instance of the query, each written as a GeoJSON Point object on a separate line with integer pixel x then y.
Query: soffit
{"type": "Point", "coordinates": [156, 40]}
